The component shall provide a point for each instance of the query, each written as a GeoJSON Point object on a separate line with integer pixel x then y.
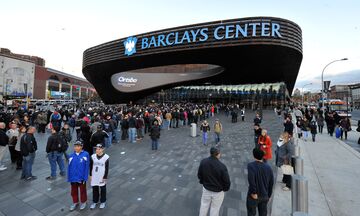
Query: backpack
{"type": "Point", "coordinates": [62, 145]}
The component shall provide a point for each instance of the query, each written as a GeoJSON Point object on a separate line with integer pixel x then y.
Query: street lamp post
{"type": "Point", "coordinates": [322, 78]}
{"type": "Point", "coordinates": [303, 92]}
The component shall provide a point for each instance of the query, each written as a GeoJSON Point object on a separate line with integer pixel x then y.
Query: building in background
{"type": "Point", "coordinates": [16, 76]}
{"type": "Point", "coordinates": [341, 92]}
{"type": "Point", "coordinates": [355, 95]}
{"type": "Point", "coordinates": [22, 75]}
{"type": "Point", "coordinates": [54, 84]}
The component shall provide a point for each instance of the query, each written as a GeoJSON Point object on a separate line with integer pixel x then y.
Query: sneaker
{"type": "Point", "coordinates": [102, 205]}
{"type": "Point", "coordinates": [33, 177]}
{"type": "Point", "coordinates": [62, 174]}
{"type": "Point", "coordinates": [50, 178]}
{"type": "Point", "coordinates": [286, 188]}
{"type": "Point", "coordinates": [83, 206]}
{"type": "Point", "coordinates": [73, 206]}
{"type": "Point", "coordinates": [2, 168]}
{"type": "Point", "coordinates": [92, 206]}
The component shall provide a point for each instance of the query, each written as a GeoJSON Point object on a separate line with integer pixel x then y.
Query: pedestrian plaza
{"type": "Point", "coordinates": [142, 181]}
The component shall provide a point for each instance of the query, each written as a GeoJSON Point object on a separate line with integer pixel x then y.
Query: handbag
{"type": "Point", "coordinates": [287, 169]}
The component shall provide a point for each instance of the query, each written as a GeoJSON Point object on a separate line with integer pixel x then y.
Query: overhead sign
{"type": "Point", "coordinates": [221, 32]}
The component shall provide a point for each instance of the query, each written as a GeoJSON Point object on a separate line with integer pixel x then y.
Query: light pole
{"type": "Point", "coordinates": [322, 78]}
{"type": "Point", "coordinates": [303, 92]}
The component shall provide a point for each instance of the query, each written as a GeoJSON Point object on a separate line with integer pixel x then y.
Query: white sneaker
{"type": "Point", "coordinates": [92, 206]}
{"type": "Point", "coordinates": [102, 205]}
{"type": "Point", "coordinates": [73, 206]}
{"type": "Point", "coordinates": [82, 206]}
{"type": "Point", "coordinates": [2, 168]}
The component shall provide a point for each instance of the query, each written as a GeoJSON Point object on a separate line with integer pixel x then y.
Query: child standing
{"type": "Point", "coordinates": [99, 169]}
{"type": "Point", "coordinates": [78, 172]}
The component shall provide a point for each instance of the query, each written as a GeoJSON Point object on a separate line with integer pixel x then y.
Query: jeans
{"type": "Point", "coordinates": [260, 204]}
{"type": "Point", "coordinates": [108, 140]}
{"type": "Point", "coordinates": [27, 165]}
{"type": "Point", "coordinates": [305, 134]}
{"type": "Point", "coordinates": [2, 153]}
{"type": "Point", "coordinates": [167, 124]}
{"type": "Point", "coordinates": [132, 134]}
{"type": "Point", "coordinates": [154, 144]}
{"type": "Point", "coordinates": [212, 200]}
{"type": "Point", "coordinates": [205, 137]}
{"type": "Point", "coordinates": [342, 133]}
{"type": "Point", "coordinates": [56, 157]}
{"type": "Point", "coordinates": [140, 133]}
{"type": "Point", "coordinates": [117, 135]}
{"type": "Point", "coordinates": [217, 137]}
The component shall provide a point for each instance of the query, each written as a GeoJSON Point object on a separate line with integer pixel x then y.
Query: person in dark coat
{"type": "Point", "coordinates": [345, 126]}
{"type": "Point", "coordinates": [261, 181]}
{"type": "Point", "coordinates": [155, 135]}
{"type": "Point", "coordinates": [313, 130]}
{"type": "Point", "coordinates": [214, 177]}
{"type": "Point", "coordinates": [85, 136]}
{"type": "Point", "coordinates": [288, 126]}
{"type": "Point", "coordinates": [4, 140]}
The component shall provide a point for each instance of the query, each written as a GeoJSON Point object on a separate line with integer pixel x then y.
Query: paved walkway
{"type": "Point", "coordinates": [142, 182]}
{"type": "Point", "coordinates": [332, 168]}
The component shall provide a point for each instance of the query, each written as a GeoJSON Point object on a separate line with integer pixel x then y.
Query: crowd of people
{"type": "Point", "coordinates": [91, 130]}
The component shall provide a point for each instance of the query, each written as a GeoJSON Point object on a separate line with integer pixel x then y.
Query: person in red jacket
{"type": "Point", "coordinates": [265, 145]}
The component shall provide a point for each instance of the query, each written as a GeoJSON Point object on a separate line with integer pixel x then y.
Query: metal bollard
{"type": "Point", "coordinates": [298, 164]}
{"type": "Point", "coordinates": [297, 151]}
{"type": "Point", "coordinates": [300, 214]}
{"type": "Point", "coordinates": [299, 194]}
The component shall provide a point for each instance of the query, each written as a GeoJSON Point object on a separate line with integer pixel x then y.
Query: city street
{"type": "Point", "coordinates": [142, 182]}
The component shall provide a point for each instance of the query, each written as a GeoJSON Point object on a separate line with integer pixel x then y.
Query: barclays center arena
{"type": "Point", "coordinates": [253, 61]}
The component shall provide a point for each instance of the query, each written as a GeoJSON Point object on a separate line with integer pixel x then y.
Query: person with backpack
{"type": "Point", "coordinates": [28, 148]}
{"type": "Point", "coordinates": [55, 148]}
{"type": "Point", "coordinates": [217, 130]}
{"type": "Point", "coordinates": [66, 134]}
{"type": "Point", "coordinates": [55, 119]}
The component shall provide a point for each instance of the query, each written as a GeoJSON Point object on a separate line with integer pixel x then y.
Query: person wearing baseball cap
{"type": "Point", "coordinates": [78, 172]}
{"type": "Point", "coordinates": [99, 169]}
{"type": "Point", "coordinates": [214, 177]}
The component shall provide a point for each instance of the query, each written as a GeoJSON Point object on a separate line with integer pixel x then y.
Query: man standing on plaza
{"type": "Point", "coordinates": [214, 177]}
{"type": "Point", "coordinates": [261, 180]}
{"type": "Point", "coordinates": [217, 130]}
{"type": "Point", "coordinates": [55, 148]}
{"type": "Point", "coordinates": [28, 147]}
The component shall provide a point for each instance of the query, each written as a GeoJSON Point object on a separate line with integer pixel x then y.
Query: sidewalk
{"type": "Point", "coordinates": [332, 169]}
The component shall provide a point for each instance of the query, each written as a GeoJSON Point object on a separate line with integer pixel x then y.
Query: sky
{"type": "Point", "coordinates": [59, 31]}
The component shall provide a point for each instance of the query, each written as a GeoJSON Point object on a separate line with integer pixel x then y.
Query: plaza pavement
{"type": "Point", "coordinates": [142, 182]}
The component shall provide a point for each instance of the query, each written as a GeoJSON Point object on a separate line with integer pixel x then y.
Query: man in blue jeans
{"type": "Point", "coordinates": [28, 147]}
{"type": "Point", "coordinates": [261, 181]}
{"type": "Point", "coordinates": [56, 145]}
{"type": "Point", "coordinates": [132, 128]}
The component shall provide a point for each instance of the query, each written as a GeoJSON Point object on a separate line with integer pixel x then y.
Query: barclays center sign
{"type": "Point", "coordinates": [200, 35]}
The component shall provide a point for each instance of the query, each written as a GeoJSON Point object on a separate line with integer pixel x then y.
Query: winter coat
{"type": "Point", "coordinates": [155, 132]}
{"type": "Point", "coordinates": [265, 145]}
{"type": "Point", "coordinates": [284, 152]}
{"type": "Point", "coordinates": [78, 169]}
